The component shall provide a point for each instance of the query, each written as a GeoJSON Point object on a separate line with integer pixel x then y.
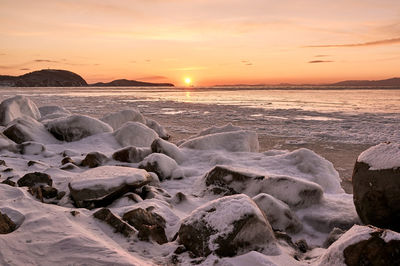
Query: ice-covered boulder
{"type": "Point", "coordinates": [237, 141]}
{"type": "Point", "coordinates": [6, 143]}
{"type": "Point", "coordinates": [27, 129]}
{"type": "Point", "coordinates": [295, 192]}
{"type": "Point", "coordinates": [94, 159]}
{"type": "Point", "coordinates": [214, 129]}
{"type": "Point", "coordinates": [131, 154]}
{"type": "Point", "coordinates": [99, 187]}
{"type": "Point", "coordinates": [115, 222]}
{"type": "Point", "coordinates": [16, 107]}
{"type": "Point", "coordinates": [364, 245]}
{"type": "Point", "coordinates": [52, 109]}
{"type": "Point", "coordinates": [135, 134]}
{"type": "Point", "coordinates": [76, 127]}
{"type": "Point", "coordinates": [376, 186]}
{"type": "Point", "coordinates": [169, 149]}
{"type": "Point", "coordinates": [160, 130]}
{"type": "Point", "coordinates": [227, 226]}
{"type": "Point", "coordinates": [117, 119]}
{"type": "Point", "coordinates": [31, 148]}
{"type": "Point", "coordinates": [164, 166]}
{"type": "Point", "coordinates": [278, 213]}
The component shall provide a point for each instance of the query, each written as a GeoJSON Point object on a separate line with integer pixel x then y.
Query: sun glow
{"type": "Point", "coordinates": [188, 81]}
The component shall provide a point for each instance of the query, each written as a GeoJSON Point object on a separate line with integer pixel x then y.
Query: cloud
{"type": "Point", "coordinates": [321, 55]}
{"type": "Point", "coordinates": [319, 61]}
{"type": "Point", "coordinates": [373, 43]}
{"type": "Point", "coordinates": [25, 69]}
{"type": "Point", "coordinates": [45, 61]}
{"type": "Point", "coordinates": [246, 62]}
{"type": "Point", "coordinates": [153, 78]}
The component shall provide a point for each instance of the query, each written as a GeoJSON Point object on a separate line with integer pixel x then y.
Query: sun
{"type": "Point", "coordinates": [188, 81]}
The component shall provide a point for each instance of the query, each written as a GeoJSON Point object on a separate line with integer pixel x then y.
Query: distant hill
{"type": "Point", "coordinates": [44, 78]}
{"type": "Point", "coordinates": [384, 82]}
{"type": "Point", "coordinates": [130, 83]}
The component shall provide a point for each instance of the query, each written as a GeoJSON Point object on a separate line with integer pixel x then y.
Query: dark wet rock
{"type": "Point", "coordinates": [9, 182]}
{"type": "Point", "coordinates": [131, 154]}
{"type": "Point", "coordinates": [16, 107]}
{"type": "Point", "coordinates": [227, 180]}
{"type": "Point", "coordinates": [377, 196]}
{"type": "Point", "coordinates": [302, 245]}
{"type": "Point", "coordinates": [94, 159]}
{"type": "Point", "coordinates": [119, 226]}
{"type": "Point", "coordinates": [334, 235]}
{"type": "Point", "coordinates": [34, 179]}
{"type": "Point", "coordinates": [3, 163]}
{"type": "Point", "coordinates": [150, 225]}
{"type": "Point", "coordinates": [31, 148]}
{"type": "Point", "coordinates": [60, 195]}
{"type": "Point", "coordinates": [6, 224]}
{"type": "Point", "coordinates": [209, 229]}
{"type": "Point", "coordinates": [168, 148]}
{"type": "Point", "coordinates": [49, 192]}
{"type": "Point", "coordinates": [66, 160]}
{"type": "Point", "coordinates": [7, 170]}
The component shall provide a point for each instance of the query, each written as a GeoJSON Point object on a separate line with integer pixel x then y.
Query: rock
{"type": "Point", "coordinates": [278, 213]}
{"type": "Point", "coordinates": [364, 245]}
{"type": "Point", "coordinates": [178, 198]}
{"type": "Point", "coordinates": [76, 127]}
{"type": "Point", "coordinates": [117, 119]}
{"type": "Point", "coordinates": [66, 160]}
{"type": "Point", "coordinates": [238, 141]}
{"type": "Point", "coordinates": [94, 159]}
{"type": "Point", "coordinates": [27, 129]}
{"type": "Point", "coordinates": [9, 182]}
{"type": "Point", "coordinates": [3, 163]}
{"type": "Point", "coordinates": [150, 225]}
{"type": "Point", "coordinates": [376, 186]}
{"type": "Point", "coordinates": [214, 129]}
{"type": "Point", "coordinates": [49, 192]}
{"type": "Point", "coordinates": [164, 166]}
{"type": "Point", "coordinates": [131, 154]}
{"type": "Point", "coordinates": [74, 213]}
{"type": "Point", "coordinates": [61, 195]}
{"type": "Point", "coordinates": [34, 179]}
{"type": "Point", "coordinates": [150, 192]}
{"type": "Point", "coordinates": [52, 109]}
{"type": "Point", "coordinates": [160, 130]}
{"type": "Point", "coordinates": [334, 235]}
{"type": "Point", "coordinates": [6, 224]}
{"type": "Point", "coordinates": [69, 166]}
{"type": "Point", "coordinates": [228, 226]}
{"type": "Point", "coordinates": [100, 186]}
{"type": "Point", "coordinates": [296, 193]}
{"type": "Point", "coordinates": [167, 148]}
{"type": "Point", "coordinates": [31, 148]}
{"type": "Point", "coordinates": [7, 144]}
{"type": "Point", "coordinates": [120, 226]}
{"type": "Point", "coordinates": [135, 134]}
{"type": "Point", "coordinates": [16, 107]}
{"type": "Point", "coordinates": [302, 245]}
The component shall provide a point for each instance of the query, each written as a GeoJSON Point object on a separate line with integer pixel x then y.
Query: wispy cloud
{"type": "Point", "coordinates": [246, 62]}
{"type": "Point", "coordinates": [319, 61]}
{"type": "Point", "coordinates": [25, 69]}
{"type": "Point", "coordinates": [373, 43]}
{"type": "Point", "coordinates": [322, 55]}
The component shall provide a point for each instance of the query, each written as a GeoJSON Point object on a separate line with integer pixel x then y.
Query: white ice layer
{"type": "Point", "coordinates": [381, 156]}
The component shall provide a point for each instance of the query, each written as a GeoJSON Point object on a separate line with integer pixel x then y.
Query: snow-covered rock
{"type": "Point", "coordinates": [111, 219]}
{"type": "Point", "coordinates": [228, 226]}
{"type": "Point", "coordinates": [376, 186]}
{"type": "Point", "coordinates": [295, 192]}
{"type": "Point", "coordinates": [76, 127]}
{"type": "Point", "coordinates": [161, 131]}
{"type": "Point", "coordinates": [164, 166]}
{"type": "Point", "coordinates": [31, 148]}
{"type": "Point", "coordinates": [16, 107]}
{"type": "Point", "coordinates": [6, 143]}
{"type": "Point", "coordinates": [237, 141]}
{"type": "Point", "coordinates": [27, 129]}
{"type": "Point", "coordinates": [52, 109]}
{"type": "Point", "coordinates": [278, 213]}
{"type": "Point", "coordinates": [364, 245]}
{"type": "Point", "coordinates": [117, 119]}
{"type": "Point", "coordinates": [214, 129]}
{"type": "Point", "coordinates": [94, 159]}
{"type": "Point", "coordinates": [169, 149]}
{"type": "Point", "coordinates": [98, 187]}
{"type": "Point", "coordinates": [131, 154]}
{"type": "Point", "coordinates": [135, 134]}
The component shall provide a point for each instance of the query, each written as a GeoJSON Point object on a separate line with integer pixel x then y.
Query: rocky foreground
{"type": "Point", "coordinates": [113, 191]}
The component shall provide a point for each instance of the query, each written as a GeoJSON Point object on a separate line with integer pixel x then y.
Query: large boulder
{"type": "Point", "coordinates": [117, 119]}
{"type": "Point", "coordinates": [76, 127]}
{"type": "Point", "coordinates": [131, 154]}
{"type": "Point", "coordinates": [168, 148]}
{"type": "Point", "coordinates": [16, 107]}
{"type": "Point", "coordinates": [27, 129]}
{"type": "Point", "coordinates": [35, 179]}
{"type": "Point", "coordinates": [228, 226]}
{"type": "Point", "coordinates": [376, 186]}
{"type": "Point", "coordinates": [237, 141]}
{"type": "Point", "coordinates": [99, 187]}
{"type": "Point", "coordinates": [164, 166]}
{"type": "Point", "coordinates": [364, 245]}
{"type": "Point", "coordinates": [160, 130]}
{"type": "Point", "coordinates": [135, 134]}
{"type": "Point", "coordinates": [295, 192]}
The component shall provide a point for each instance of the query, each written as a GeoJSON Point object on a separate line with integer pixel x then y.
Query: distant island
{"type": "Point", "coordinates": [64, 78]}
{"type": "Point", "coordinates": [384, 82]}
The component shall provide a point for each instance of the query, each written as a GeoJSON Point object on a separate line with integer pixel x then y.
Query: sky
{"type": "Point", "coordinates": [211, 41]}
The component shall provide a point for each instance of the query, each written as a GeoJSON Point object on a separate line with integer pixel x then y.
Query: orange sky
{"type": "Point", "coordinates": [211, 41]}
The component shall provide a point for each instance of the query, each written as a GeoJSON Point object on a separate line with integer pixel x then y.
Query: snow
{"type": "Point", "coordinates": [238, 141]}
{"type": "Point", "coordinates": [165, 165]}
{"type": "Point", "coordinates": [135, 134]}
{"type": "Point", "coordinates": [117, 119]}
{"type": "Point", "coordinates": [382, 156]}
{"type": "Point", "coordinates": [169, 149]}
{"type": "Point", "coordinates": [161, 131]}
{"type": "Point", "coordinates": [214, 129]}
{"type": "Point", "coordinates": [15, 107]}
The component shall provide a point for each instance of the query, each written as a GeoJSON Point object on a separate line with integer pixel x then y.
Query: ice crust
{"type": "Point", "coordinates": [382, 156]}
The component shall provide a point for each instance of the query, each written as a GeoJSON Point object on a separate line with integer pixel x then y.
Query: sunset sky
{"type": "Point", "coordinates": [210, 41]}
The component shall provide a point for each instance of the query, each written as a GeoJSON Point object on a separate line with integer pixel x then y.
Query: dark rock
{"type": "Point", "coordinates": [237, 235]}
{"type": "Point", "coordinates": [179, 197]}
{"type": "Point", "coordinates": [66, 160]}
{"type": "Point", "coordinates": [61, 195]}
{"type": "Point", "coordinates": [33, 179]}
{"type": "Point", "coordinates": [74, 213]}
{"type": "Point", "coordinates": [9, 182]}
{"type": "Point", "coordinates": [150, 192]}
{"type": "Point", "coordinates": [94, 159]}
{"type": "Point", "coordinates": [131, 154]}
{"type": "Point", "coordinates": [150, 225]}
{"type": "Point", "coordinates": [120, 226]}
{"type": "Point", "coordinates": [30, 163]}
{"type": "Point", "coordinates": [2, 162]}
{"type": "Point", "coordinates": [334, 235]}
{"type": "Point", "coordinates": [377, 196]}
{"type": "Point", "coordinates": [6, 224]}
{"type": "Point", "coordinates": [49, 192]}
{"type": "Point", "coordinates": [27, 129]}
{"type": "Point", "coordinates": [302, 245]}
{"type": "Point", "coordinates": [7, 170]}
